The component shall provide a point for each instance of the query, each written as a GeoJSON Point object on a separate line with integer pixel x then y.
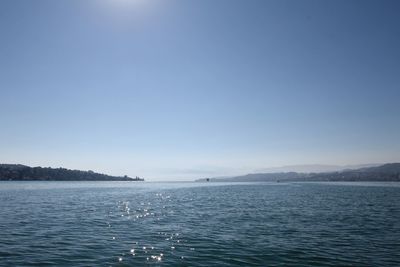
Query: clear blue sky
{"type": "Point", "coordinates": [170, 89]}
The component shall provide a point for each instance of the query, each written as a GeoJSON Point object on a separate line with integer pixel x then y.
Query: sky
{"type": "Point", "coordinates": [185, 89]}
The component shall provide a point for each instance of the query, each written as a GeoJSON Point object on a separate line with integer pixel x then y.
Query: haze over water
{"type": "Point", "coordinates": [197, 224]}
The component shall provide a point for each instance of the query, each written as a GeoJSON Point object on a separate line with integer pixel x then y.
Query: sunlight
{"type": "Point", "coordinates": [127, 4]}
{"type": "Point", "coordinates": [126, 10]}
{"type": "Point", "coordinates": [125, 14]}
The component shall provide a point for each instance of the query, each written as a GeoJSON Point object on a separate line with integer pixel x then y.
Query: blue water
{"type": "Point", "coordinates": [195, 224]}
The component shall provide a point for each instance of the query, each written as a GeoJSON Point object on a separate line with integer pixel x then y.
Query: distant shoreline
{"type": "Point", "coordinates": [17, 172]}
{"type": "Point", "coordinates": [384, 173]}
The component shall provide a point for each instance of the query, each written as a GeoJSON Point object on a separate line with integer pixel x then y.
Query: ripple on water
{"type": "Point", "coordinates": [231, 225]}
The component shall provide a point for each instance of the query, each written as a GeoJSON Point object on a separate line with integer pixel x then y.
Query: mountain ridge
{"type": "Point", "coordinates": [384, 172]}
{"type": "Point", "coordinates": [315, 168]}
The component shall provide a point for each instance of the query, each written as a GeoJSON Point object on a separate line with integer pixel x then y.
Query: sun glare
{"type": "Point", "coordinates": [126, 12]}
{"type": "Point", "coordinates": [127, 3]}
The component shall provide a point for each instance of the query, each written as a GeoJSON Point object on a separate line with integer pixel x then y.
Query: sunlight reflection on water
{"type": "Point", "coordinates": [196, 224]}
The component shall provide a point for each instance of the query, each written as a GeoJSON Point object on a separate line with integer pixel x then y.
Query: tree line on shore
{"type": "Point", "coordinates": [16, 172]}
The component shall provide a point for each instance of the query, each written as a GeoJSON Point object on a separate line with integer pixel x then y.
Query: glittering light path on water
{"type": "Point", "coordinates": [194, 224]}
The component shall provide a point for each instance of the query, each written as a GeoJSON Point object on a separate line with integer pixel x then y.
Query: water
{"type": "Point", "coordinates": [194, 224]}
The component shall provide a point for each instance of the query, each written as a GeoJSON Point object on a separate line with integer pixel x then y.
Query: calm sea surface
{"type": "Point", "coordinates": [199, 224]}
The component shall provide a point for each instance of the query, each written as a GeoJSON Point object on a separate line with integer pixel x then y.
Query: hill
{"type": "Point", "coordinates": [17, 172]}
{"type": "Point", "coordinates": [314, 168]}
{"type": "Point", "coordinates": [386, 172]}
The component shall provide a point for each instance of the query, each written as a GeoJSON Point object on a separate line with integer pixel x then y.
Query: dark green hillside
{"type": "Point", "coordinates": [25, 173]}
